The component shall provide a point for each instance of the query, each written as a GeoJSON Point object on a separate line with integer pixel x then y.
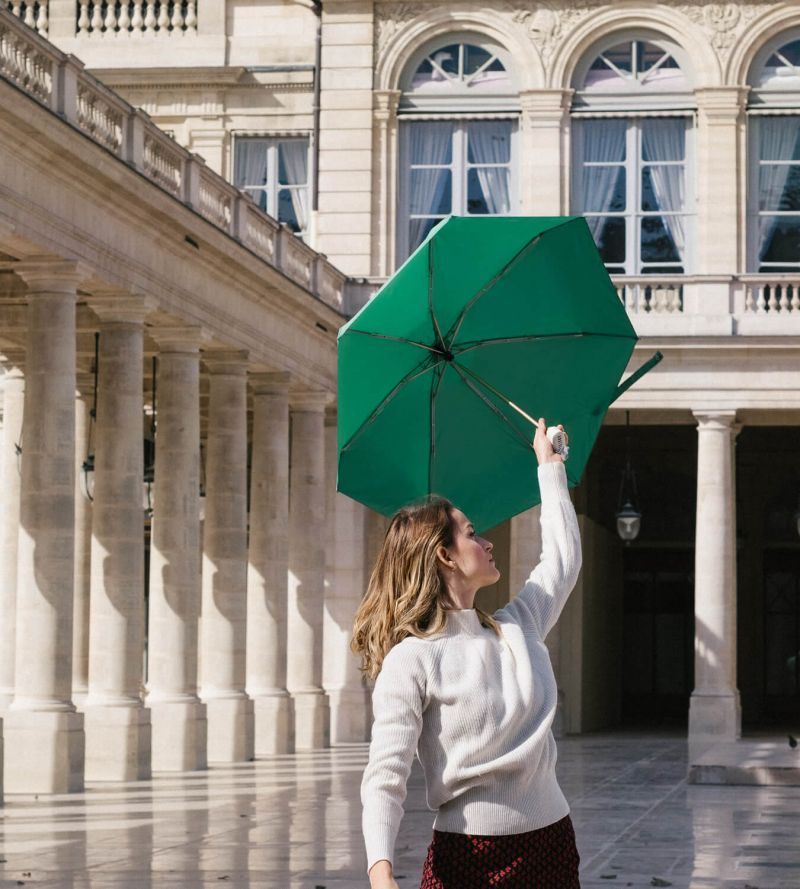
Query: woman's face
{"type": "Point", "coordinates": [471, 554]}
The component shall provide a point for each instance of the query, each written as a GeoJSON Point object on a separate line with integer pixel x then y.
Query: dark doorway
{"type": "Point", "coordinates": [658, 636]}
{"type": "Point", "coordinates": [781, 635]}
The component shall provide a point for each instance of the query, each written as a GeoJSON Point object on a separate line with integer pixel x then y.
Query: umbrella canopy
{"type": "Point", "coordinates": [489, 319]}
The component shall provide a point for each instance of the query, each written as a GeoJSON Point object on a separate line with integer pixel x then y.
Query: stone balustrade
{"type": "Point", "coordinates": [650, 294]}
{"type": "Point", "coordinates": [60, 82]}
{"type": "Point", "coordinates": [772, 294]}
{"type": "Point", "coordinates": [136, 17]}
{"type": "Point", "coordinates": [33, 14]}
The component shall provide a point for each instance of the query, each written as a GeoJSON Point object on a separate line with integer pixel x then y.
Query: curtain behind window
{"type": "Point", "coordinates": [250, 164]}
{"type": "Point", "coordinates": [429, 144]}
{"type": "Point", "coordinates": [778, 137]}
{"type": "Point", "coordinates": [665, 140]}
{"type": "Point", "coordinates": [490, 143]}
{"type": "Point", "coordinates": [604, 143]}
{"type": "Point", "coordinates": [294, 155]}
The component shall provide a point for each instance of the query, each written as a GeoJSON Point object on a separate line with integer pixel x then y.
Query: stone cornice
{"type": "Point", "coordinates": [270, 382]}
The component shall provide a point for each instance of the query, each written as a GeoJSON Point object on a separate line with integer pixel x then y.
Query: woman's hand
{"type": "Point", "coordinates": [541, 444]}
{"type": "Point", "coordinates": [381, 877]}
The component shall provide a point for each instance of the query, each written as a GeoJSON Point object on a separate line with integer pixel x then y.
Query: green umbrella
{"type": "Point", "coordinates": [490, 323]}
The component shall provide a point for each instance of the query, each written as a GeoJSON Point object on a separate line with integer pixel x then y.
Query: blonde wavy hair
{"type": "Point", "coordinates": [406, 594]}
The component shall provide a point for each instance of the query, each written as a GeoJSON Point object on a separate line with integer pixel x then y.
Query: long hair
{"type": "Point", "coordinates": [406, 594]}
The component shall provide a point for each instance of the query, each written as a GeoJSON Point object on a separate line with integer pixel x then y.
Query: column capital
{"type": "Point", "coordinates": [717, 420]}
{"type": "Point", "coordinates": [721, 102]}
{"type": "Point", "coordinates": [310, 400]}
{"type": "Point", "coordinates": [385, 104]}
{"type": "Point", "coordinates": [270, 382]}
{"type": "Point", "coordinates": [186, 338]}
{"type": "Point", "coordinates": [46, 274]}
{"type": "Point", "coordinates": [226, 362]}
{"type": "Point", "coordinates": [114, 306]}
{"type": "Point", "coordinates": [546, 104]}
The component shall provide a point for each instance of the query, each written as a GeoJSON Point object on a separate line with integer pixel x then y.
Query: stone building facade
{"type": "Point", "coordinates": [357, 124]}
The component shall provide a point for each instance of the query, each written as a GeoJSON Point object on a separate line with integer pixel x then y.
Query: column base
{"type": "Point", "coordinates": [230, 729]}
{"type": "Point", "coordinates": [311, 720]}
{"type": "Point", "coordinates": [118, 743]}
{"type": "Point", "coordinates": [180, 732]}
{"type": "Point", "coordinates": [274, 724]}
{"type": "Point", "coordinates": [44, 751]}
{"type": "Point", "coordinates": [713, 717]}
{"type": "Point", "coordinates": [350, 715]}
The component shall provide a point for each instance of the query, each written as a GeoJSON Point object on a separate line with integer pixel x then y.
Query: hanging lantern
{"type": "Point", "coordinates": [629, 518]}
{"type": "Point", "coordinates": [148, 479]}
{"type": "Point", "coordinates": [87, 467]}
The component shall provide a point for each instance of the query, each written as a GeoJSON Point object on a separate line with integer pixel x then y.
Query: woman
{"type": "Point", "coordinates": [473, 695]}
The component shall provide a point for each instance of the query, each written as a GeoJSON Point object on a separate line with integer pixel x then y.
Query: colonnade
{"type": "Point", "coordinates": [223, 659]}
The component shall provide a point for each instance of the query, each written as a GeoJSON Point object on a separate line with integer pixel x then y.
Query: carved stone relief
{"type": "Point", "coordinates": [547, 22]}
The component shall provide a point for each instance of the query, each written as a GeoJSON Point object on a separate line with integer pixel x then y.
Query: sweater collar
{"type": "Point", "coordinates": [463, 622]}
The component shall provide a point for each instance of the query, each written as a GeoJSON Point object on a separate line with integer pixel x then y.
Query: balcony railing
{"type": "Point", "coordinates": [34, 14]}
{"type": "Point", "coordinates": [137, 17]}
{"type": "Point", "coordinates": [650, 294]}
{"type": "Point", "coordinates": [59, 82]}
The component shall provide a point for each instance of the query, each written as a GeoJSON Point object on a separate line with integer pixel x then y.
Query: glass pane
{"type": "Point", "coordinates": [791, 52]}
{"type": "Point", "coordinates": [661, 270]}
{"type": "Point", "coordinates": [431, 192]}
{"type": "Point", "coordinates": [418, 231]}
{"type": "Point", "coordinates": [259, 196]}
{"type": "Point", "coordinates": [250, 162]}
{"type": "Point", "coordinates": [621, 56]}
{"type": "Point", "coordinates": [474, 57]}
{"type": "Point", "coordinates": [447, 59]}
{"type": "Point", "coordinates": [609, 234]}
{"type": "Point", "coordinates": [487, 190]}
{"type": "Point", "coordinates": [779, 187]}
{"type": "Point", "coordinates": [286, 212]}
{"type": "Point", "coordinates": [657, 243]}
{"type": "Point", "coordinates": [779, 138]}
{"type": "Point", "coordinates": [430, 142]}
{"type": "Point", "coordinates": [604, 189]}
{"type": "Point", "coordinates": [604, 140]}
{"type": "Point", "coordinates": [489, 142]}
{"type": "Point", "coordinates": [293, 162]}
{"type": "Point", "coordinates": [648, 54]}
{"type": "Point", "coordinates": [780, 239]}
{"type": "Point", "coordinates": [662, 188]}
{"type": "Point", "coordinates": [664, 139]}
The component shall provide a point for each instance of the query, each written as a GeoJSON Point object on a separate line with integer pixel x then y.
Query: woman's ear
{"type": "Point", "coordinates": [442, 557]}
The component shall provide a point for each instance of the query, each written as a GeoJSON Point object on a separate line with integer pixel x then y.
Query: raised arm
{"type": "Point", "coordinates": [397, 705]}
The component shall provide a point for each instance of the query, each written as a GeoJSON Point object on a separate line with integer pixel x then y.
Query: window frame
{"type": "Point", "coordinates": [273, 186]}
{"type": "Point", "coordinates": [633, 190]}
{"type": "Point", "coordinates": [754, 214]}
{"type": "Point", "coordinates": [459, 164]}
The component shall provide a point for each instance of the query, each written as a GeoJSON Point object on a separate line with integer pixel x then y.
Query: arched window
{"type": "Point", "coordinates": [774, 171]}
{"type": "Point", "coordinates": [632, 155]}
{"type": "Point", "coordinates": [458, 122]}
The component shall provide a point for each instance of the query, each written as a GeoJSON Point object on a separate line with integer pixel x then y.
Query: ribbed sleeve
{"type": "Point", "coordinates": [397, 704]}
{"type": "Point", "coordinates": [551, 581]}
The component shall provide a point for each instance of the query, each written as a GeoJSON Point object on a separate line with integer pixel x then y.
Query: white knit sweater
{"type": "Point", "coordinates": [477, 709]}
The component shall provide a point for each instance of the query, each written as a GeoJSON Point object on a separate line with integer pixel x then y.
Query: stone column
{"type": "Point", "coordinates": [714, 709]}
{"type": "Point", "coordinates": [545, 166]}
{"type": "Point", "coordinates": [83, 541]}
{"type": "Point", "coordinates": [177, 715]}
{"type": "Point", "coordinates": [307, 569]}
{"type": "Point", "coordinates": [268, 562]}
{"type": "Point", "coordinates": [345, 584]}
{"type": "Point", "coordinates": [385, 113]}
{"type": "Point", "coordinates": [224, 625]}
{"type": "Point", "coordinates": [44, 739]}
{"type": "Point", "coordinates": [117, 723]}
{"type": "Point", "coordinates": [13, 400]}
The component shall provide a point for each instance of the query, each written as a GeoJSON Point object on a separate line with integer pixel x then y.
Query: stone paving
{"type": "Point", "coordinates": [293, 822]}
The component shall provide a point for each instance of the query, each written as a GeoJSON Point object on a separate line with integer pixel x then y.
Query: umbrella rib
{"type": "Point", "coordinates": [408, 378]}
{"type": "Point", "coordinates": [468, 347]}
{"type": "Point", "coordinates": [493, 407]}
{"type": "Point", "coordinates": [430, 299]}
{"type": "Point", "coordinates": [487, 287]}
{"type": "Point", "coordinates": [396, 339]}
{"type": "Point", "coordinates": [440, 369]}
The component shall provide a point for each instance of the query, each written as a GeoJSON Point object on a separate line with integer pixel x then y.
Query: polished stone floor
{"type": "Point", "coordinates": [293, 822]}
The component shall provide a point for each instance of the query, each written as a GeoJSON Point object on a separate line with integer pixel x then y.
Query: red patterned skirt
{"type": "Point", "coordinates": [539, 859]}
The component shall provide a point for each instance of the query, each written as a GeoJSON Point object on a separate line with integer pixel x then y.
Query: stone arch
{"type": "Point", "coordinates": [401, 46]}
{"type": "Point", "coordinates": [704, 68]}
{"type": "Point", "coordinates": [755, 37]}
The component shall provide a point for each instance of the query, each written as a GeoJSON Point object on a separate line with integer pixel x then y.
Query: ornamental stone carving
{"type": "Point", "coordinates": [723, 22]}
